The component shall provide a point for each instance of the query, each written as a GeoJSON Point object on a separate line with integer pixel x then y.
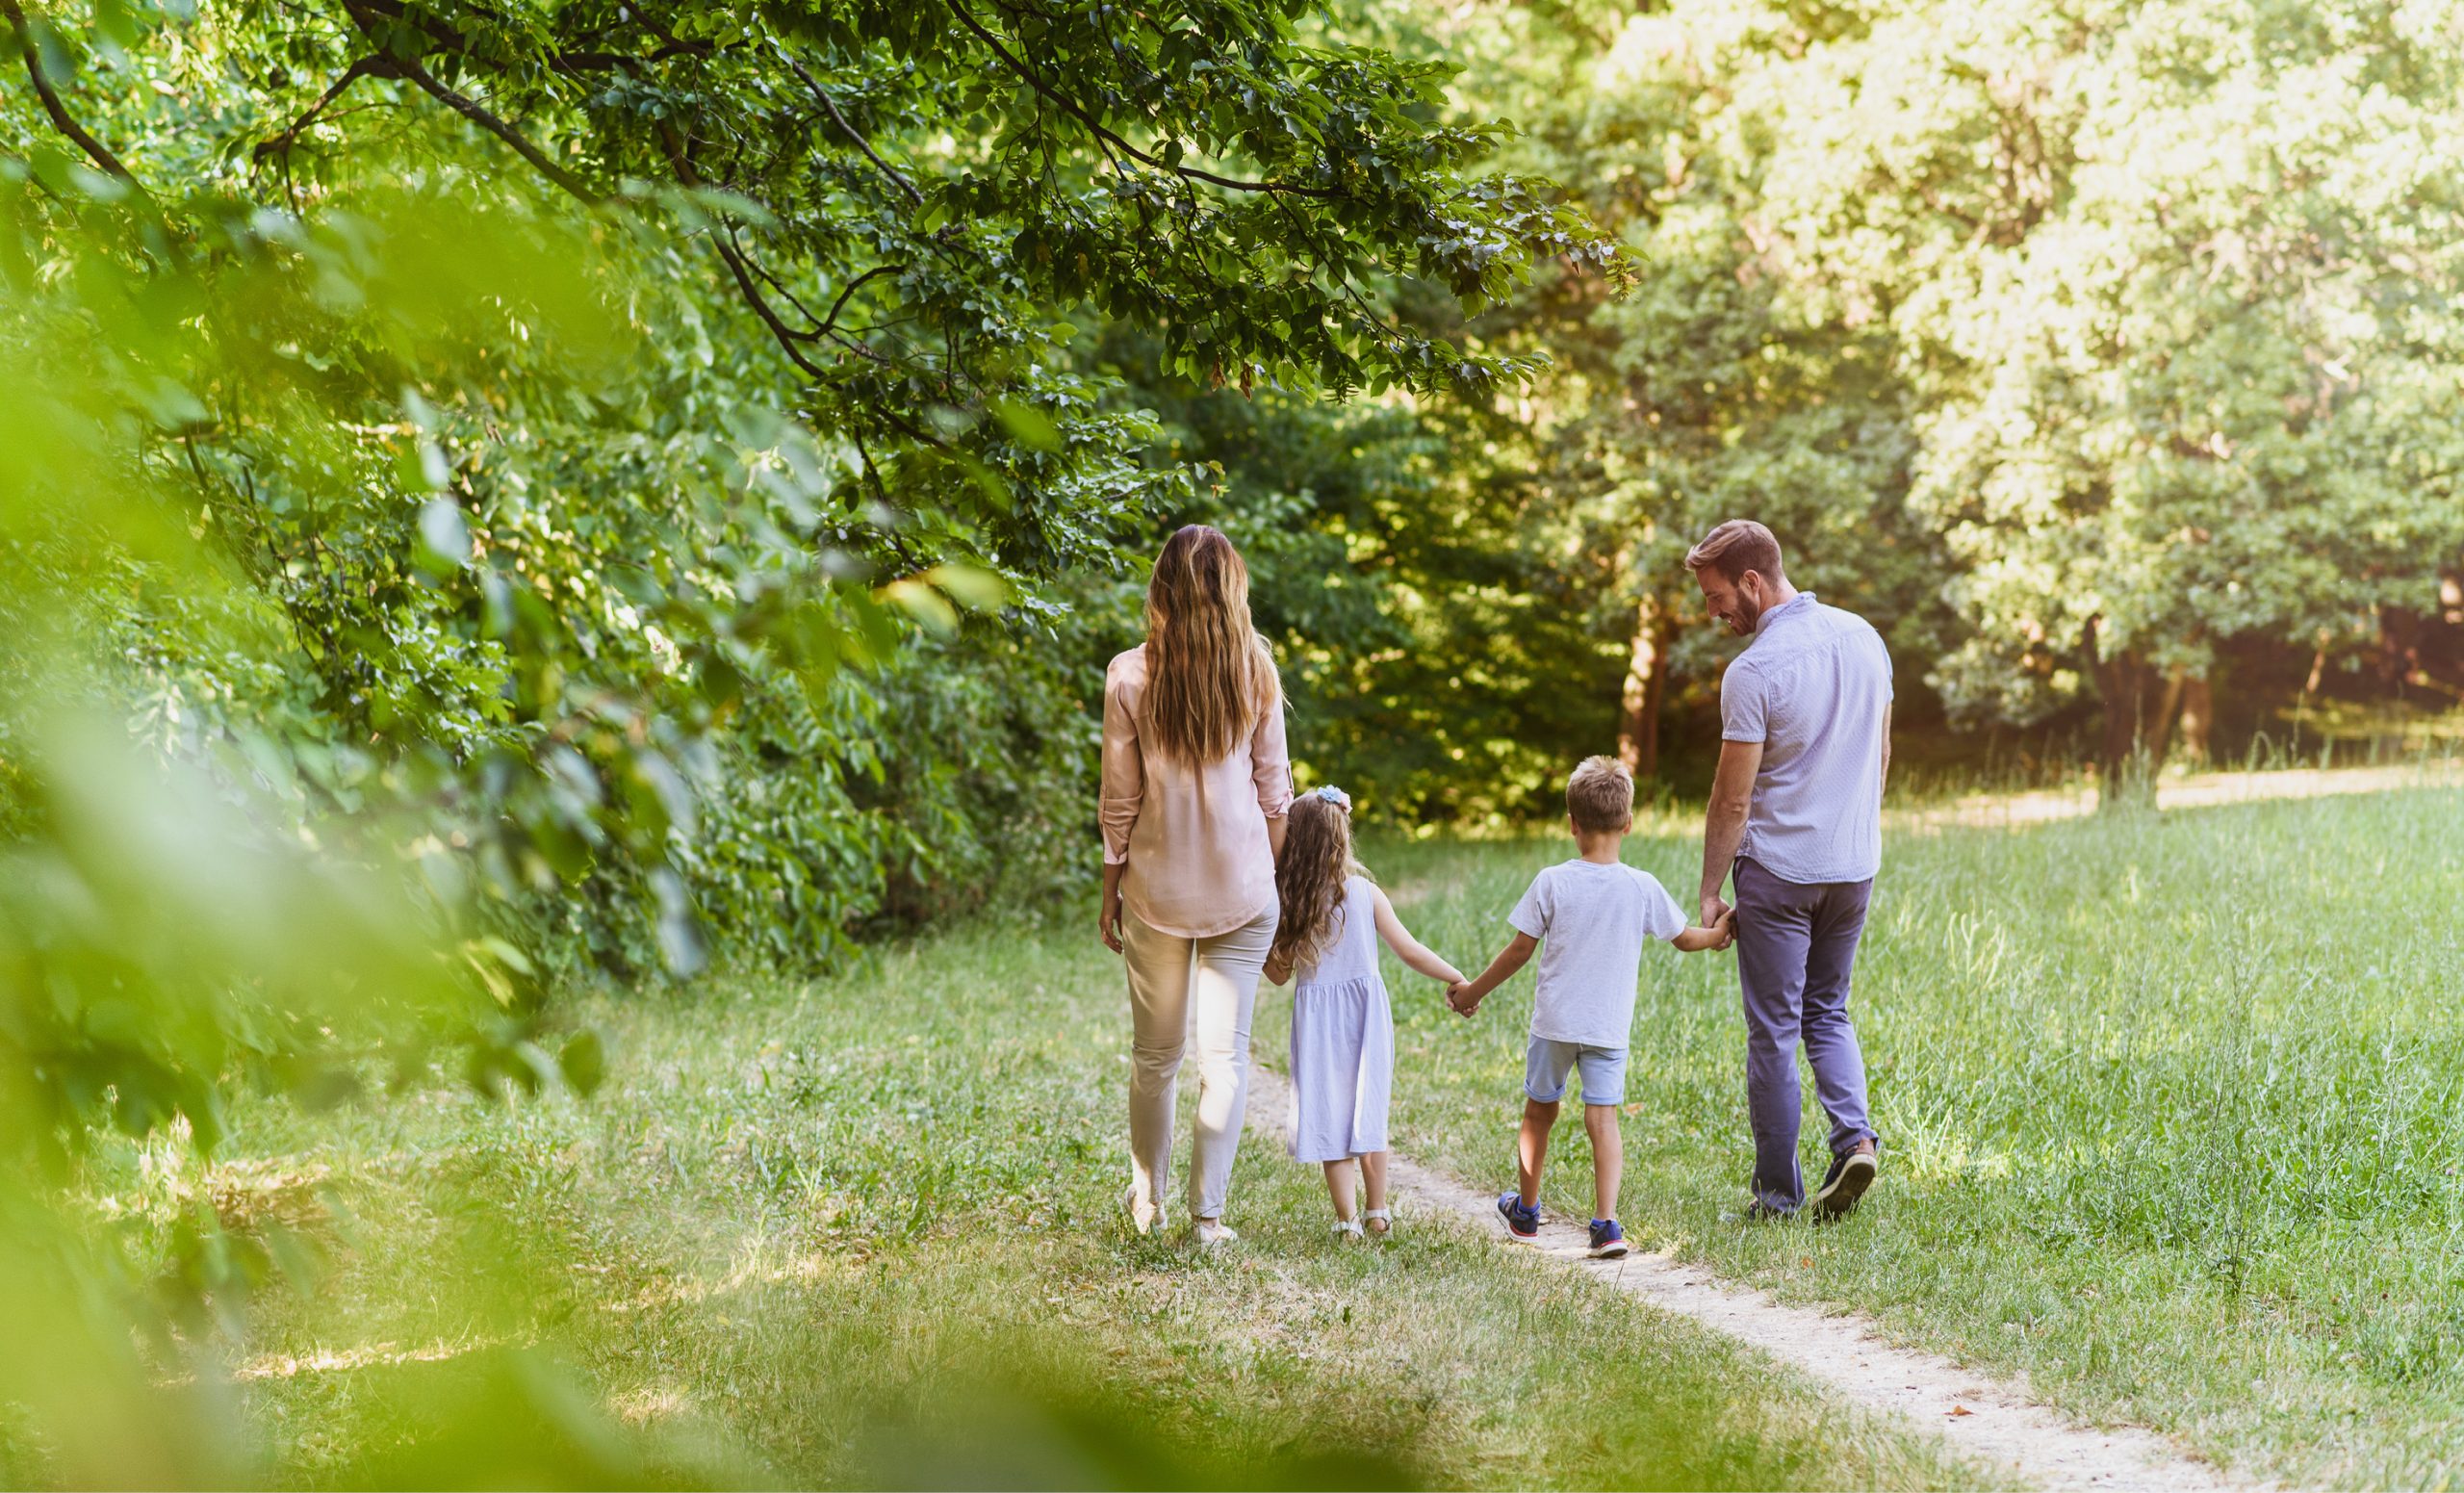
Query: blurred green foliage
{"type": "Point", "coordinates": [496, 497]}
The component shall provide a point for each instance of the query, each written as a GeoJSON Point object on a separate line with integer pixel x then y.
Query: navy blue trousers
{"type": "Point", "coordinates": [1796, 947]}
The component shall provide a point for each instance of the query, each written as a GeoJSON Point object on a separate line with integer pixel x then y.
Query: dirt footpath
{"type": "Point", "coordinates": [1984, 1420]}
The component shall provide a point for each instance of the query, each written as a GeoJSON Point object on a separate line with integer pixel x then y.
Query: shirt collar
{"type": "Point", "coordinates": [1798, 603]}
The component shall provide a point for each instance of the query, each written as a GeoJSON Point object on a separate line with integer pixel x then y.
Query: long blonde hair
{"type": "Point", "coordinates": [1309, 877]}
{"type": "Point", "coordinates": [1208, 675]}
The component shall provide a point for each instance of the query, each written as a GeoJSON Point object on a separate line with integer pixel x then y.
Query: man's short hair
{"type": "Point", "coordinates": [1736, 547]}
{"type": "Point", "coordinates": [1601, 795]}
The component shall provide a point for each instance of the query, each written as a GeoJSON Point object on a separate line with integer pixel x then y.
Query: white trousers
{"type": "Point", "coordinates": [1191, 994]}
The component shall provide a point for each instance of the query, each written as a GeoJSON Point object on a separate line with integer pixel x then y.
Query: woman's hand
{"type": "Point", "coordinates": [1108, 910]}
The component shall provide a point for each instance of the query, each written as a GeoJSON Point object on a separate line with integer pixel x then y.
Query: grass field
{"type": "Point", "coordinates": [2170, 1106]}
{"type": "Point", "coordinates": [869, 1233]}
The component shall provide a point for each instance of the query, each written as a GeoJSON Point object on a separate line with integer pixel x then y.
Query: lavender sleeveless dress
{"type": "Point", "coordinates": [1343, 1041]}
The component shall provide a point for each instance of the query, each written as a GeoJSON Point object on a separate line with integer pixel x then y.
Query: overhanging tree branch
{"type": "Point", "coordinates": [778, 285]}
{"type": "Point", "coordinates": [488, 121]}
{"type": "Point", "coordinates": [845, 128]}
{"type": "Point", "coordinates": [1095, 127]}
{"type": "Point", "coordinates": [780, 332]}
{"type": "Point", "coordinates": [829, 323]}
{"type": "Point", "coordinates": [823, 326]}
{"type": "Point", "coordinates": [468, 109]}
{"type": "Point", "coordinates": [365, 68]}
{"type": "Point", "coordinates": [60, 120]}
{"type": "Point", "coordinates": [788, 336]}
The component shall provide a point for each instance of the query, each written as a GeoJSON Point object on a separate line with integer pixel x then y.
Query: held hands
{"type": "Point", "coordinates": [1108, 920]}
{"type": "Point", "coordinates": [1716, 931]}
{"type": "Point", "coordinates": [1459, 998]}
{"type": "Point", "coordinates": [1725, 925]}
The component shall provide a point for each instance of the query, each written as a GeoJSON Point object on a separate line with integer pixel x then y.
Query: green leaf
{"type": "Point", "coordinates": [583, 1062]}
{"type": "Point", "coordinates": [924, 604]}
{"type": "Point", "coordinates": [442, 534]}
{"type": "Point", "coordinates": [977, 589]}
{"type": "Point", "coordinates": [1030, 427]}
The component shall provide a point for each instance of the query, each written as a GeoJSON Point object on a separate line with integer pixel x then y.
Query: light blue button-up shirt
{"type": "Point", "coordinates": [1814, 689]}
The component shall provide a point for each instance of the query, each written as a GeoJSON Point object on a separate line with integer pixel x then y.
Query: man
{"type": "Point", "coordinates": [1796, 808]}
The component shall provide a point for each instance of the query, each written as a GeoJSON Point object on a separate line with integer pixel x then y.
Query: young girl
{"type": "Point", "coordinates": [1343, 1032]}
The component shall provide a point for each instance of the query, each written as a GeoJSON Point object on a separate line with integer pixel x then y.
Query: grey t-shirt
{"type": "Point", "coordinates": [1591, 920]}
{"type": "Point", "coordinates": [1814, 687]}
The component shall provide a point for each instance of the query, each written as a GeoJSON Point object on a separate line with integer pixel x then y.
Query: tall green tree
{"type": "Point", "coordinates": [1727, 385]}
{"type": "Point", "coordinates": [2096, 351]}
{"type": "Point", "coordinates": [2174, 287]}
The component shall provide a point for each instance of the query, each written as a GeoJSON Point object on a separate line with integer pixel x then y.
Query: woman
{"type": "Point", "coordinates": [1195, 785]}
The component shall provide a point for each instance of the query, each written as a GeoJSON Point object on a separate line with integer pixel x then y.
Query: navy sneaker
{"type": "Point", "coordinates": [1850, 1174]}
{"type": "Point", "coordinates": [1523, 1222]}
{"type": "Point", "coordinates": [1607, 1240]}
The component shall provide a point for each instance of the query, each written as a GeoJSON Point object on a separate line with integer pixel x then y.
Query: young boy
{"type": "Point", "coordinates": [1588, 917]}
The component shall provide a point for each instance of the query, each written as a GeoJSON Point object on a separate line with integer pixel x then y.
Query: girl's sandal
{"type": "Point", "coordinates": [1380, 1221]}
{"type": "Point", "coordinates": [1347, 1230]}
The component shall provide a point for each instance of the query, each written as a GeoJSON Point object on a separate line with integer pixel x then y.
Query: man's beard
{"type": "Point", "coordinates": [1745, 614]}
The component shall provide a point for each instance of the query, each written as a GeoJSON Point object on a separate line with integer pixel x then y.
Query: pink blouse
{"type": "Point", "coordinates": [1195, 839]}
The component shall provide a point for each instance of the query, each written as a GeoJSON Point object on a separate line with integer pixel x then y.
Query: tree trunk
{"type": "Point", "coordinates": [2160, 734]}
{"type": "Point", "coordinates": [2198, 714]}
{"type": "Point", "coordinates": [1638, 704]}
{"type": "Point", "coordinates": [2442, 652]}
{"type": "Point", "coordinates": [2121, 776]}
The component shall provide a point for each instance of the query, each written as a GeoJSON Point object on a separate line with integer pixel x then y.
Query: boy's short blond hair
{"type": "Point", "coordinates": [1600, 796]}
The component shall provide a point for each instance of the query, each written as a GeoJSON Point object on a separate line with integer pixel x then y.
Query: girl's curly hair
{"type": "Point", "coordinates": [1309, 877]}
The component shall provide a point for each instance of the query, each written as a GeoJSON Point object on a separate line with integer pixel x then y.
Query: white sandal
{"type": "Point", "coordinates": [1142, 1218]}
{"type": "Point", "coordinates": [1348, 1228]}
{"type": "Point", "coordinates": [1385, 1216]}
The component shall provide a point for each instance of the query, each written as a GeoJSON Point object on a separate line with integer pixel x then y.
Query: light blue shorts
{"type": "Point", "coordinates": [1546, 1065]}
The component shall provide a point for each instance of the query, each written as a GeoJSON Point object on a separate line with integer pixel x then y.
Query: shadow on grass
{"type": "Point", "coordinates": [517, 1418]}
{"type": "Point", "coordinates": [1015, 1437]}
